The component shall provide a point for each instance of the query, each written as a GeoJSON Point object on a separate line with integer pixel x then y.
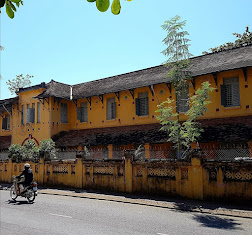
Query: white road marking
{"type": "Point", "coordinates": [66, 216]}
{"type": "Point", "coordinates": [162, 234]}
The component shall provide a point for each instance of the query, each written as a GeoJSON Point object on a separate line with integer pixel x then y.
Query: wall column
{"type": "Point", "coordinates": [41, 171]}
{"type": "Point", "coordinates": [250, 148]}
{"type": "Point", "coordinates": [79, 173]}
{"type": "Point", "coordinates": [147, 150]}
{"type": "Point", "coordinates": [110, 151]}
{"type": "Point", "coordinates": [128, 171]}
{"type": "Point", "coordinates": [195, 176]}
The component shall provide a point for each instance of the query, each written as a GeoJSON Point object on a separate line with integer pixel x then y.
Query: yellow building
{"type": "Point", "coordinates": [120, 110]}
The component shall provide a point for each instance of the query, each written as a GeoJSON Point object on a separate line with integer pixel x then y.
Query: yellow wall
{"type": "Point", "coordinates": [186, 179]}
{"type": "Point", "coordinates": [125, 108]}
{"type": "Point", "coordinates": [39, 131]}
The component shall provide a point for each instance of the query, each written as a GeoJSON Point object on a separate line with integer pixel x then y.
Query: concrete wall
{"type": "Point", "coordinates": [193, 180]}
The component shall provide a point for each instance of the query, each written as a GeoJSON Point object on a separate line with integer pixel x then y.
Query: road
{"type": "Point", "coordinates": [53, 214]}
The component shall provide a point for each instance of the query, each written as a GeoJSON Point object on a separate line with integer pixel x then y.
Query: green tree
{"type": "Point", "coordinates": [101, 5]}
{"type": "Point", "coordinates": [19, 82]}
{"type": "Point", "coordinates": [16, 152]}
{"type": "Point", "coordinates": [244, 39]}
{"type": "Point", "coordinates": [47, 149]}
{"type": "Point", "coordinates": [181, 134]}
{"type": "Point", "coordinates": [31, 150]}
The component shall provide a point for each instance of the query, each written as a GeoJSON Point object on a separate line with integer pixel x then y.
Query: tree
{"type": "Point", "coordinates": [181, 134]}
{"type": "Point", "coordinates": [47, 149]}
{"type": "Point", "coordinates": [30, 151]}
{"type": "Point", "coordinates": [19, 82]}
{"type": "Point", "coordinates": [11, 6]}
{"type": "Point", "coordinates": [244, 39]}
{"type": "Point", "coordinates": [101, 5]}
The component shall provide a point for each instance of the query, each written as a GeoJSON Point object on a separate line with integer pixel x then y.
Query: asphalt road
{"type": "Point", "coordinates": [52, 214]}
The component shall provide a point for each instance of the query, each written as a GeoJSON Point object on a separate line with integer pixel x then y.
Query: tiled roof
{"type": "Point", "coordinates": [114, 135]}
{"type": "Point", "coordinates": [234, 129]}
{"type": "Point", "coordinates": [5, 142]}
{"type": "Point", "coordinates": [7, 104]}
{"type": "Point", "coordinates": [205, 64]}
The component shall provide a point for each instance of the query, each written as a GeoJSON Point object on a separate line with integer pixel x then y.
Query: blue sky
{"type": "Point", "coordinates": [72, 42]}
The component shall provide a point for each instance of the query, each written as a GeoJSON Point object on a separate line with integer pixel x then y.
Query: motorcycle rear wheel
{"type": "Point", "coordinates": [13, 193]}
{"type": "Point", "coordinates": [31, 195]}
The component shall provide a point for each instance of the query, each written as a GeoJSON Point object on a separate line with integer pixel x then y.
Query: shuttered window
{"type": "Point", "coordinates": [82, 112]}
{"type": "Point", "coordinates": [30, 114]}
{"type": "Point", "coordinates": [111, 109]}
{"type": "Point", "coordinates": [38, 112]}
{"type": "Point", "coordinates": [22, 115]}
{"type": "Point", "coordinates": [63, 113]}
{"type": "Point", "coordinates": [142, 104]}
{"type": "Point", "coordinates": [182, 105]}
{"type": "Point", "coordinates": [230, 92]}
{"type": "Point", "coordinates": [6, 123]}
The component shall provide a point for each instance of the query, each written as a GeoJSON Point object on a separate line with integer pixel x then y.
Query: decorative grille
{"type": "Point", "coordinates": [87, 170]}
{"type": "Point", "coordinates": [238, 176]}
{"type": "Point", "coordinates": [227, 154]}
{"type": "Point", "coordinates": [161, 153]}
{"type": "Point", "coordinates": [121, 171]}
{"type": "Point", "coordinates": [104, 170]}
{"type": "Point", "coordinates": [184, 173]}
{"type": "Point", "coordinates": [60, 169]}
{"type": "Point", "coordinates": [162, 172]}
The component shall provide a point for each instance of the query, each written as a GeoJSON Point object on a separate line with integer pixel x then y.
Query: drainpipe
{"type": "Point", "coordinates": [71, 93]}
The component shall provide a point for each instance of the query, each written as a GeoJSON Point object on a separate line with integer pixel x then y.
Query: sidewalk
{"type": "Point", "coordinates": [169, 203]}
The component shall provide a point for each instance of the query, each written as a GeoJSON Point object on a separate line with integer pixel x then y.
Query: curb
{"type": "Point", "coordinates": [160, 204]}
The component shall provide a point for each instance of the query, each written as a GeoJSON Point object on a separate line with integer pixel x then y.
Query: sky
{"type": "Point", "coordinates": [72, 42]}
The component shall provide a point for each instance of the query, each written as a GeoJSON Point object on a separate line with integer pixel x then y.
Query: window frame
{"type": "Point", "coordinates": [182, 105]}
{"type": "Point", "coordinates": [142, 104]}
{"type": "Point", "coordinates": [229, 97]}
{"type": "Point", "coordinates": [63, 113]}
{"type": "Point", "coordinates": [111, 108]}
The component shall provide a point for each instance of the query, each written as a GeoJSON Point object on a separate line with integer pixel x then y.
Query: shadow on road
{"type": "Point", "coordinates": [217, 222]}
{"type": "Point", "coordinates": [15, 202]}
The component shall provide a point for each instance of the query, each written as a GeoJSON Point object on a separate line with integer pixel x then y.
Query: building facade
{"type": "Point", "coordinates": [120, 110]}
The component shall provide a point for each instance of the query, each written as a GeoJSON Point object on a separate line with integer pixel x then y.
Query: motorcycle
{"type": "Point", "coordinates": [17, 189]}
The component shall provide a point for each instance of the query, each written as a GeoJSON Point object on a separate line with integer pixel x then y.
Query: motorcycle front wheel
{"type": "Point", "coordinates": [13, 193]}
{"type": "Point", "coordinates": [30, 195]}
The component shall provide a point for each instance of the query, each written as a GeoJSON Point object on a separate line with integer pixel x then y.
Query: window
{"type": "Point", "coordinates": [82, 112]}
{"type": "Point", "coordinates": [30, 113]}
{"type": "Point", "coordinates": [111, 109]}
{"type": "Point", "coordinates": [63, 112]}
{"type": "Point", "coordinates": [38, 112]}
{"type": "Point", "coordinates": [230, 92]}
{"type": "Point", "coordinates": [6, 123]}
{"type": "Point", "coordinates": [22, 115]}
{"type": "Point", "coordinates": [142, 104]}
{"type": "Point", "coordinates": [182, 100]}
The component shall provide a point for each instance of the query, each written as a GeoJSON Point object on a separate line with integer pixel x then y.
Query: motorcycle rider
{"type": "Point", "coordinates": [28, 175]}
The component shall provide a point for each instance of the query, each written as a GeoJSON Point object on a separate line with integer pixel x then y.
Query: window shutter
{"type": "Point", "coordinates": [147, 105]}
{"type": "Point", "coordinates": [28, 115]}
{"type": "Point", "coordinates": [223, 95]}
{"type": "Point", "coordinates": [8, 123]}
{"type": "Point", "coordinates": [113, 108]}
{"type": "Point", "coordinates": [85, 112]}
{"type": "Point", "coordinates": [137, 102]}
{"type": "Point", "coordinates": [32, 115]}
{"type": "Point", "coordinates": [79, 113]}
{"type": "Point", "coordinates": [236, 94]}
{"type": "Point", "coordinates": [109, 110]}
{"type": "Point", "coordinates": [4, 124]}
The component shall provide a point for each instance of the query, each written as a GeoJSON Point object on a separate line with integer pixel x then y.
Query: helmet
{"type": "Point", "coordinates": [27, 165]}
